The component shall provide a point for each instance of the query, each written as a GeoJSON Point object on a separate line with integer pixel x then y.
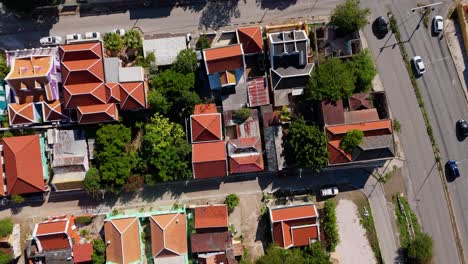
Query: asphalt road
{"type": "Point", "coordinates": [445, 103]}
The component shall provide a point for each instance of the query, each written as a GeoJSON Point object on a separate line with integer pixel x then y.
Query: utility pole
{"type": "Point", "coordinates": [425, 7]}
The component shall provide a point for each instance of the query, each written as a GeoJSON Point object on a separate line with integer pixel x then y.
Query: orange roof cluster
{"type": "Point", "coordinates": [211, 216]}
{"type": "Point", "coordinates": [23, 165]}
{"type": "Point", "coordinates": [293, 226]}
{"type": "Point", "coordinates": [123, 240]}
{"type": "Point", "coordinates": [224, 59]}
{"type": "Point", "coordinates": [168, 235]}
{"type": "Point", "coordinates": [251, 39]}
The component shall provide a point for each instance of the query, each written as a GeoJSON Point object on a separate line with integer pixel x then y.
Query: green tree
{"type": "Point", "coordinates": [232, 201]}
{"type": "Point", "coordinates": [5, 258]}
{"type": "Point", "coordinates": [112, 42]}
{"type": "Point", "coordinates": [146, 62]}
{"type": "Point", "coordinates": [420, 249]}
{"type": "Point", "coordinates": [92, 182]}
{"type": "Point", "coordinates": [349, 17]}
{"type": "Point", "coordinates": [4, 69]}
{"type": "Point", "coordinates": [276, 255]}
{"type": "Point", "coordinates": [114, 162]}
{"type": "Point", "coordinates": [99, 252]}
{"type": "Point", "coordinates": [351, 140]}
{"type": "Point", "coordinates": [6, 227]}
{"type": "Point", "coordinates": [17, 199]}
{"type": "Point", "coordinates": [203, 42]}
{"type": "Point", "coordinates": [132, 39]}
{"type": "Point", "coordinates": [315, 254]}
{"type": "Point", "coordinates": [329, 225]}
{"type": "Point", "coordinates": [165, 150]}
{"type": "Point", "coordinates": [364, 71]}
{"type": "Point", "coordinates": [306, 146]}
{"type": "Point", "coordinates": [186, 62]}
{"type": "Point", "coordinates": [177, 89]}
{"type": "Point", "coordinates": [331, 80]}
{"type": "Point", "coordinates": [158, 102]}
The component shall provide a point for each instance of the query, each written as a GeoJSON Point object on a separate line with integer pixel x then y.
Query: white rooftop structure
{"type": "Point", "coordinates": [165, 49]}
{"type": "Point", "coordinates": [131, 74]}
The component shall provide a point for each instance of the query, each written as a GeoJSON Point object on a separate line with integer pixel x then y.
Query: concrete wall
{"type": "Point", "coordinates": [462, 12]}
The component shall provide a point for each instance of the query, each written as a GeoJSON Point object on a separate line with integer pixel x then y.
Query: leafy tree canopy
{"type": "Point", "coordinates": [306, 145]}
{"type": "Point", "coordinates": [364, 71]}
{"type": "Point", "coordinates": [99, 251]}
{"type": "Point", "coordinates": [91, 182]}
{"type": "Point", "coordinates": [165, 150]}
{"type": "Point", "coordinates": [332, 79]}
{"type": "Point", "coordinates": [6, 227]}
{"type": "Point", "coordinates": [4, 69]}
{"type": "Point", "coordinates": [420, 249]}
{"type": "Point", "coordinates": [132, 39]}
{"type": "Point", "coordinates": [351, 140]}
{"type": "Point", "coordinates": [186, 62]}
{"type": "Point", "coordinates": [232, 201]}
{"type": "Point", "coordinates": [276, 255]}
{"type": "Point", "coordinates": [112, 42]}
{"type": "Point", "coordinates": [315, 254]}
{"type": "Point", "coordinates": [203, 42]}
{"type": "Point", "coordinates": [5, 258]}
{"type": "Point", "coordinates": [146, 62]}
{"type": "Point", "coordinates": [349, 17]}
{"type": "Point", "coordinates": [329, 225]}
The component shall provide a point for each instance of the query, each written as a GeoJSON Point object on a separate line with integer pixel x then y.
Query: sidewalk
{"type": "Point", "coordinates": [456, 47]}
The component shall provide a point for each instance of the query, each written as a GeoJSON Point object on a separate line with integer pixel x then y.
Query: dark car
{"type": "Point", "coordinates": [462, 128]}
{"type": "Point", "coordinates": [453, 168]}
{"type": "Point", "coordinates": [382, 25]}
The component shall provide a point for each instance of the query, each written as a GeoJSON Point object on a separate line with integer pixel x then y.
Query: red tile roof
{"type": "Point", "coordinates": [123, 238]}
{"type": "Point", "coordinates": [360, 101]}
{"type": "Point", "coordinates": [2, 182]}
{"type": "Point", "coordinates": [53, 235]}
{"type": "Point", "coordinates": [205, 109]}
{"type": "Point", "coordinates": [23, 165]}
{"type": "Point", "coordinates": [97, 113]}
{"type": "Point", "coordinates": [210, 242]}
{"type": "Point", "coordinates": [333, 112]}
{"type": "Point", "coordinates": [112, 92]}
{"type": "Point", "coordinates": [168, 235]}
{"type": "Point", "coordinates": [375, 128]}
{"type": "Point", "coordinates": [295, 225]}
{"type": "Point", "coordinates": [21, 114]}
{"type": "Point", "coordinates": [361, 116]}
{"type": "Point", "coordinates": [246, 163]}
{"type": "Point", "coordinates": [53, 111]}
{"type": "Point", "coordinates": [206, 127]}
{"type": "Point", "coordinates": [258, 92]}
{"type": "Point", "coordinates": [132, 96]}
{"type": "Point", "coordinates": [82, 253]}
{"type": "Point", "coordinates": [209, 159]}
{"type": "Point", "coordinates": [251, 39]}
{"type": "Point", "coordinates": [336, 154]}
{"type": "Point", "coordinates": [223, 59]}
{"type": "Point", "coordinates": [211, 216]}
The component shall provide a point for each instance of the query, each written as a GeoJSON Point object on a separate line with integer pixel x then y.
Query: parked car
{"type": "Point", "coordinates": [72, 37]}
{"type": "Point", "coordinates": [453, 168]}
{"type": "Point", "coordinates": [119, 31]}
{"type": "Point", "coordinates": [52, 40]}
{"type": "Point", "coordinates": [92, 35]}
{"type": "Point", "coordinates": [329, 191]}
{"type": "Point", "coordinates": [382, 25]}
{"type": "Point", "coordinates": [418, 65]}
{"type": "Point", "coordinates": [437, 24]}
{"type": "Point", "coordinates": [462, 128]}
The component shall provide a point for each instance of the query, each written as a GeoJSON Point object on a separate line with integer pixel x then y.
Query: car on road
{"type": "Point", "coordinates": [453, 168]}
{"type": "Point", "coordinates": [329, 191]}
{"type": "Point", "coordinates": [418, 65]}
{"type": "Point", "coordinates": [437, 24]}
{"type": "Point", "coordinates": [73, 37]}
{"type": "Point", "coordinates": [462, 128]}
{"type": "Point", "coordinates": [51, 40]}
{"type": "Point", "coordinates": [119, 31]}
{"type": "Point", "coordinates": [92, 35]}
{"type": "Point", "coordinates": [382, 25]}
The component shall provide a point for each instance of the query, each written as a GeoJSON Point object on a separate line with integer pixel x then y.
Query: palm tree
{"type": "Point", "coordinates": [132, 39]}
{"type": "Point", "coordinates": [112, 42]}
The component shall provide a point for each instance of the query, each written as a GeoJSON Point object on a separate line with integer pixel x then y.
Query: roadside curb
{"type": "Point", "coordinates": [449, 47]}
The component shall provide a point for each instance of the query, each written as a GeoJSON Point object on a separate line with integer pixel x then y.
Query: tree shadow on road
{"type": "Point", "coordinates": [275, 4]}
{"type": "Point", "coordinates": [219, 13]}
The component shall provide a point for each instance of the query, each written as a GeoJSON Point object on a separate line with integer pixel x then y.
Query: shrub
{"type": "Point", "coordinates": [420, 249]}
{"type": "Point", "coordinates": [99, 252]}
{"type": "Point", "coordinates": [203, 42]}
{"type": "Point", "coordinates": [349, 17]}
{"type": "Point", "coordinates": [330, 226]}
{"type": "Point", "coordinates": [6, 227]}
{"type": "Point", "coordinates": [84, 220]}
{"type": "Point", "coordinates": [112, 42]}
{"type": "Point", "coordinates": [5, 258]}
{"type": "Point", "coordinates": [352, 139]}
{"type": "Point", "coordinates": [396, 125]}
{"type": "Point", "coordinates": [232, 201]}
{"type": "Point", "coordinates": [242, 114]}
{"type": "Point", "coordinates": [17, 199]}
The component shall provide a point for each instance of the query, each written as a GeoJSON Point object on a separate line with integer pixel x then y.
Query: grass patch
{"type": "Point", "coordinates": [367, 221]}
{"type": "Point", "coordinates": [396, 125]}
{"type": "Point", "coordinates": [402, 225]}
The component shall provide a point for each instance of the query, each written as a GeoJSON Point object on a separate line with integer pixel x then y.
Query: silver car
{"type": "Point", "coordinates": [437, 24]}
{"type": "Point", "coordinates": [418, 65]}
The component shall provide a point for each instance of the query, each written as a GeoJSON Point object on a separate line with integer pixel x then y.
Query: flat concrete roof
{"type": "Point", "coordinates": [165, 49]}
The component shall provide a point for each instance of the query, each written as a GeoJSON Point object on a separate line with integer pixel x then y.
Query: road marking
{"type": "Point", "coordinates": [434, 61]}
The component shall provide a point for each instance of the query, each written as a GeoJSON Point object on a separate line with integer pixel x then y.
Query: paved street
{"type": "Point", "coordinates": [445, 104]}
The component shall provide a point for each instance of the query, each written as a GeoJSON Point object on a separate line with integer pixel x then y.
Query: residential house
{"type": "Point", "coordinates": [165, 49]}
{"type": "Point", "coordinates": [378, 143]}
{"type": "Point", "coordinates": [290, 67]}
{"type": "Point", "coordinates": [82, 253]}
{"type": "Point", "coordinates": [123, 240]}
{"type": "Point", "coordinates": [169, 238]}
{"type": "Point", "coordinates": [211, 218]}
{"type": "Point", "coordinates": [208, 148]}
{"type": "Point", "coordinates": [244, 143]}
{"type": "Point", "coordinates": [24, 164]}
{"type": "Point", "coordinates": [294, 225]}
{"type": "Point", "coordinates": [331, 43]}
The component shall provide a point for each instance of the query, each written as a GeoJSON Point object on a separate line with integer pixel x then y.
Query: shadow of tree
{"type": "Point", "coordinates": [219, 13]}
{"type": "Point", "coordinates": [275, 4]}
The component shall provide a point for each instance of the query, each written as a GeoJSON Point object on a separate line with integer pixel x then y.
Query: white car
{"type": "Point", "coordinates": [419, 65]}
{"type": "Point", "coordinates": [437, 24]}
{"type": "Point", "coordinates": [52, 40]}
{"type": "Point", "coordinates": [329, 191]}
{"type": "Point", "coordinates": [72, 37]}
{"type": "Point", "coordinates": [119, 31]}
{"type": "Point", "coordinates": [92, 35]}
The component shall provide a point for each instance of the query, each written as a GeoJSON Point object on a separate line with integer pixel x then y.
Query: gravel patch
{"type": "Point", "coordinates": [354, 248]}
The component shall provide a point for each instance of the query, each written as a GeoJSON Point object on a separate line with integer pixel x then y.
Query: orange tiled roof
{"type": "Point", "coordinates": [168, 235]}
{"type": "Point", "coordinates": [97, 113]}
{"type": "Point", "coordinates": [23, 164]}
{"type": "Point", "coordinates": [206, 127]}
{"type": "Point", "coordinates": [223, 59]}
{"type": "Point", "coordinates": [211, 216]}
{"type": "Point", "coordinates": [124, 237]}
{"type": "Point", "coordinates": [53, 111]}
{"type": "Point", "coordinates": [209, 159]}
{"type": "Point", "coordinates": [336, 153]}
{"type": "Point", "coordinates": [382, 127]}
{"type": "Point", "coordinates": [82, 253]}
{"type": "Point", "coordinates": [293, 212]}
{"type": "Point", "coordinates": [132, 96]}
{"type": "Point", "coordinates": [205, 109]}
{"type": "Point", "coordinates": [112, 92]}
{"type": "Point", "coordinates": [246, 163]}
{"type": "Point", "coordinates": [28, 67]}
{"type": "Point", "coordinates": [20, 114]}
{"type": "Point", "coordinates": [251, 39]}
